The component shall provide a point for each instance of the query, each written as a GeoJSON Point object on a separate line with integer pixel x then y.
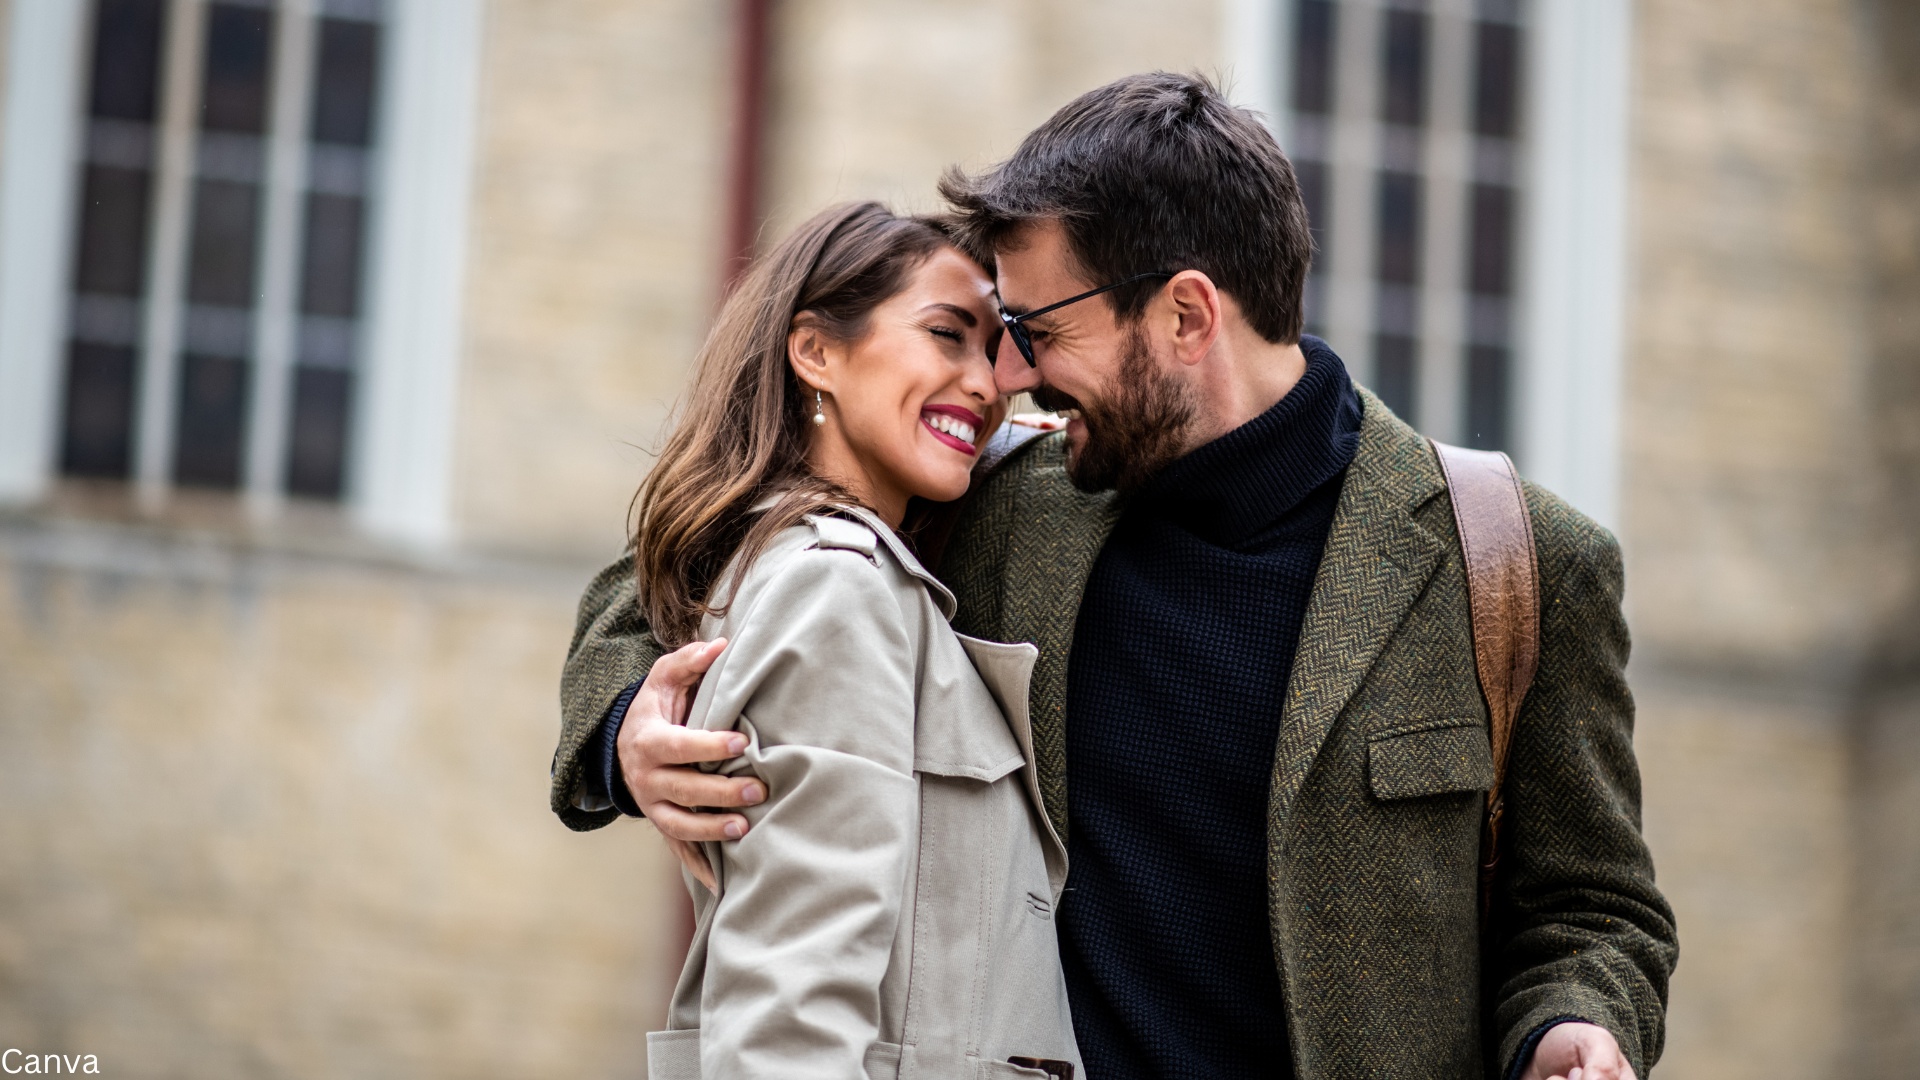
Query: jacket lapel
{"type": "Point", "coordinates": [1376, 562]}
{"type": "Point", "coordinates": [1059, 534]}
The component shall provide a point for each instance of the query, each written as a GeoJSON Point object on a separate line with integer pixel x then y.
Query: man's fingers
{"type": "Point", "coordinates": [686, 746]}
{"type": "Point", "coordinates": [690, 787]}
{"type": "Point", "coordinates": [677, 824]}
{"type": "Point", "coordinates": [694, 859]}
{"type": "Point", "coordinates": [684, 665]}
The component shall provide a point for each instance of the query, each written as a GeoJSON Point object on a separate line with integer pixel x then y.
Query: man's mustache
{"type": "Point", "coordinates": [1052, 400]}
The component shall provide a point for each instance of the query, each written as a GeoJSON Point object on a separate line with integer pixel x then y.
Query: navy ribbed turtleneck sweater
{"type": "Point", "coordinates": [1181, 656]}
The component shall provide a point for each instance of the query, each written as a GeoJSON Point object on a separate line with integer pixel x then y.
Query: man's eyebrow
{"type": "Point", "coordinates": [959, 312]}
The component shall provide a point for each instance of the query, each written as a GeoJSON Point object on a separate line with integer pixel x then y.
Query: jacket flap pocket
{"type": "Point", "coordinates": [961, 730]}
{"type": "Point", "coordinates": [1433, 759]}
{"type": "Point", "coordinates": [971, 754]}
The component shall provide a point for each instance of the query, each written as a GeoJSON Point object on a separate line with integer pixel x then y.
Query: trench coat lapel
{"type": "Point", "coordinates": [1376, 562]}
{"type": "Point", "coordinates": [1060, 534]}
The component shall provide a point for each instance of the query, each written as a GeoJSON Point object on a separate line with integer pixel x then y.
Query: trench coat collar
{"type": "Point", "coordinates": [942, 596]}
{"type": "Point", "coordinates": [1375, 565]}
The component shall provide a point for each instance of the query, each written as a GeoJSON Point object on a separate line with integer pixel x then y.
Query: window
{"type": "Point", "coordinates": [220, 244]}
{"type": "Point", "coordinates": [1404, 121]}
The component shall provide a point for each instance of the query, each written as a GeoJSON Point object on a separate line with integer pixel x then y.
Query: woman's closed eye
{"type": "Point", "coordinates": [948, 333]}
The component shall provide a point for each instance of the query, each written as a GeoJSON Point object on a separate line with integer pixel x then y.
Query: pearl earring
{"type": "Point", "coordinates": [819, 412]}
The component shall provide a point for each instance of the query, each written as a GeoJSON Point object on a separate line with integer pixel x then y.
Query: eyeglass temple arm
{"type": "Point", "coordinates": [1088, 295]}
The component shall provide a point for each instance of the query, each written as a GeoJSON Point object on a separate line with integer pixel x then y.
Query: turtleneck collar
{"type": "Point", "coordinates": [1236, 488]}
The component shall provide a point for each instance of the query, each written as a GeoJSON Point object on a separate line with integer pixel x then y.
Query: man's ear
{"type": "Point", "coordinates": [1194, 303]}
{"type": "Point", "coordinates": [807, 353]}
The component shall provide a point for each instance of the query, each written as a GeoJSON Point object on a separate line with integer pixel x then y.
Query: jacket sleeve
{"type": "Point", "coordinates": [611, 650]}
{"type": "Point", "coordinates": [1579, 929]}
{"type": "Point", "coordinates": [821, 678]}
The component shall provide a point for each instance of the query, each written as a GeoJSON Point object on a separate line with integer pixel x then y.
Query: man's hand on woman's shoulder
{"type": "Point", "coordinates": [658, 755]}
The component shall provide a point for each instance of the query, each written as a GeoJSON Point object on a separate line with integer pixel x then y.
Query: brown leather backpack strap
{"type": "Point", "coordinates": [1503, 595]}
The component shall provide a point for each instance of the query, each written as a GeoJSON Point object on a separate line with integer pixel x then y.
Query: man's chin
{"type": "Point", "coordinates": [1087, 476]}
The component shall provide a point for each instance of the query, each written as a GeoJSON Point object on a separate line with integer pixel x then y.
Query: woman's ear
{"type": "Point", "coordinates": [808, 352]}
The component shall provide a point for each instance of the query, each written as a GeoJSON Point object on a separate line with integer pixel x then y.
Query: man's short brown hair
{"type": "Point", "coordinates": [1154, 172]}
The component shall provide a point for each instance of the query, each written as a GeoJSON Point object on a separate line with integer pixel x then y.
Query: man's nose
{"type": "Point", "coordinates": [1011, 373]}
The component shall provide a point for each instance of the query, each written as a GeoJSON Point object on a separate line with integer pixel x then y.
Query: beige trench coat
{"type": "Point", "coordinates": [890, 911]}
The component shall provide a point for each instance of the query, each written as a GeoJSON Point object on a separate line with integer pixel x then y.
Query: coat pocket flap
{"type": "Point", "coordinates": [1435, 759]}
{"type": "Point", "coordinates": [963, 730]}
{"type": "Point", "coordinates": [985, 763]}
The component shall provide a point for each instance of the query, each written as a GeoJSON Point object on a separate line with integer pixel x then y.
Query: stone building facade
{"type": "Point", "coordinates": [272, 767]}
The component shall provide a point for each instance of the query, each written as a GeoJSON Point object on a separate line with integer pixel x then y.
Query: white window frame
{"type": "Point", "coordinates": [400, 458]}
{"type": "Point", "coordinates": [1570, 317]}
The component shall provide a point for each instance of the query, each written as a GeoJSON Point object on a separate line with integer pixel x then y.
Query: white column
{"type": "Point", "coordinates": [46, 49]}
{"type": "Point", "coordinates": [1448, 157]}
{"type": "Point", "coordinates": [1574, 263]}
{"type": "Point", "coordinates": [275, 317]}
{"type": "Point", "coordinates": [1259, 53]}
{"type": "Point", "coordinates": [159, 374]}
{"type": "Point", "coordinates": [1352, 187]}
{"type": "Point", "coordinates": [401, 468]}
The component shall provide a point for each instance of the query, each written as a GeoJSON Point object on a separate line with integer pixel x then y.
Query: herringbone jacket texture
{"type": "Point", "coordinates": [1379, 773]}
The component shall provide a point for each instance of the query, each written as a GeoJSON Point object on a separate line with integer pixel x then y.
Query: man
{"type": "Point", "coordinates": [1269, 754]}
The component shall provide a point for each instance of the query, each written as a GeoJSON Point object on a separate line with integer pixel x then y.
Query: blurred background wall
{"type": "Point", "coordinates": [333, 335]}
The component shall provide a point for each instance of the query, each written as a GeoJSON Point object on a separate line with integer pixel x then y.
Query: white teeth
{"type": "Point", "coordinates": [959, 429]}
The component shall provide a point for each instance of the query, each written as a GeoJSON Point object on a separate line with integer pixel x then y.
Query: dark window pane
{"type": "Point", "coordinates": [1396, 374]}
{"type": "Point", "coordinates": [1487, 397]}
{"type": "Point", "coordinates": [343, 83]}
{"type": "Point", "coordinates": [239, 42]}
{"type": "Point", "coordinates": [1313, 192]}
{"type": "Point", "coordinates": [330, 280]}
{"type": "Point", "coordinates": [1405, 100]}
{"type": "Point", "coordinates": [113, 232]}
{"type": "Point", "coordinates": [126, 59]}
{"type": "Point", "coordinates": [1491, 268]}
{"type": "Point", "coordinates": [97, 428]}
{"type": "Point", "coordinates": [1313, 57]}
{"type": "Point", "coordinates": [1496, 83]}
{"type": "Point", "coordinates": [212, 423]}
{"type": "Point", "coordinates": [226, 217]}
{"type": "Point", "coordinates": [1399, 252]}
{"type": "Point", "coordinates": [317, 448]}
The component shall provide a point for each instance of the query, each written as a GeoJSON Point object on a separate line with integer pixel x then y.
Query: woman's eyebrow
{"type": "Point", "coordinates": [959, 312]}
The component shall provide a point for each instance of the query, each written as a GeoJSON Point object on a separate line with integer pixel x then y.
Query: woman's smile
{"type": "Point", "coordinates": [953, 425]}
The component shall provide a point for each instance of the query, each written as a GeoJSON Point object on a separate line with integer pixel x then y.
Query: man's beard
{"type": "Point", "coordinates": [1135, 431]}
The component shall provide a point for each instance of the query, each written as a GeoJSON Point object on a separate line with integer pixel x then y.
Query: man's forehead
{"type": "Point", "coordinates": [1033, 263]}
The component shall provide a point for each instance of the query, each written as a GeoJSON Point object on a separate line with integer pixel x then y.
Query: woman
{"type": "Point", "coordinates": [890, 907]}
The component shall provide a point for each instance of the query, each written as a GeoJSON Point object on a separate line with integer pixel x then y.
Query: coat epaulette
{"type": "Point", "coordinates": [843, 534]}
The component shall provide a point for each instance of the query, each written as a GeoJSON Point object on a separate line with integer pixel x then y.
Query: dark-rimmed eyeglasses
{"type": "Point", "coordinates": [1024, 341]}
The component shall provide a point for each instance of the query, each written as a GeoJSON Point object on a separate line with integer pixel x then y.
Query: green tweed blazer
{"type": "Point", "coordinates": [1379, 772]}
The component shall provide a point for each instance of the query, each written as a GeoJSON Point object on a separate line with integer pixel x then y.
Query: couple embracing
{"type": "Point", "coordinates": [1153, 747]}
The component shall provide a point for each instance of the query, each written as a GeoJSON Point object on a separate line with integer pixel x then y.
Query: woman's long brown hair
{"type": "Point", "coordinates": [743, 434]}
